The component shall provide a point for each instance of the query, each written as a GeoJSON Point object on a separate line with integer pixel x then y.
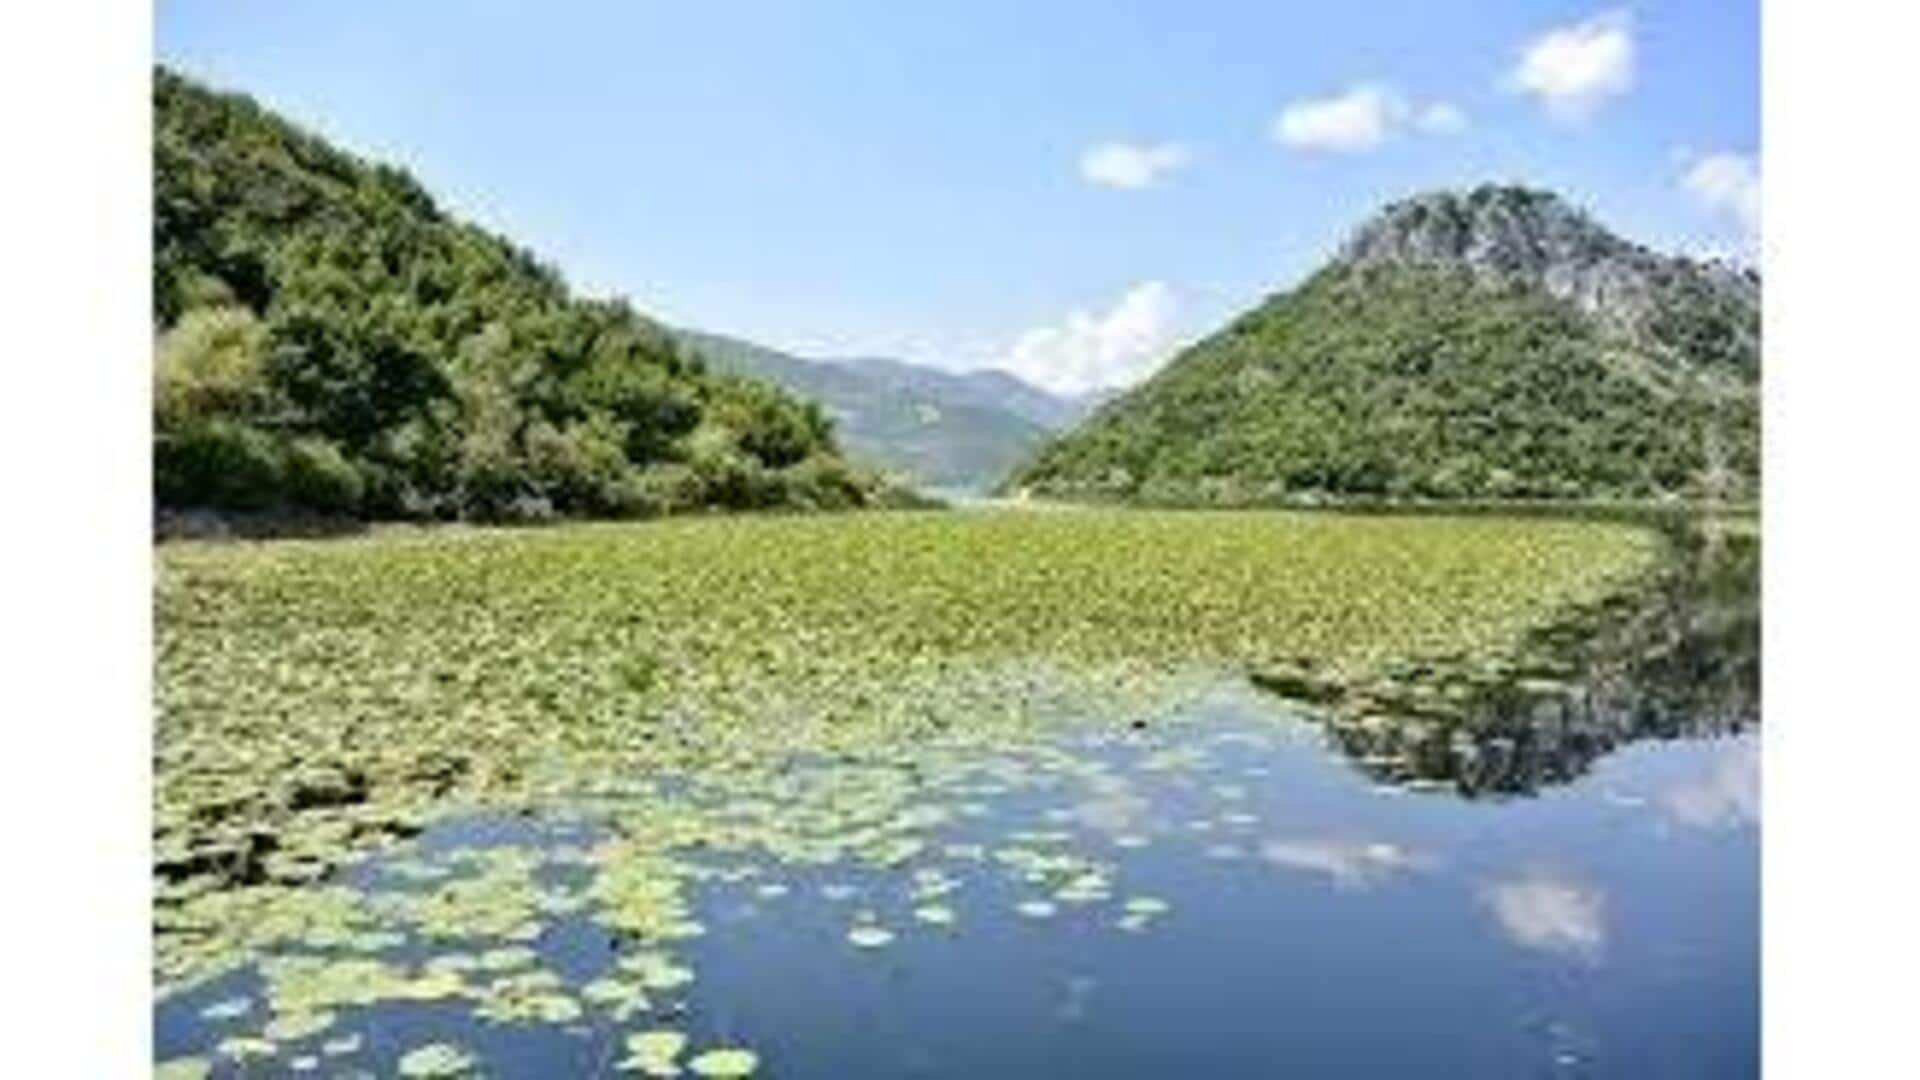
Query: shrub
{"type": "Point", "coordinates": [659, 489]}
{"type": "Point", "coordinates": [221, 464]}
{"type": "Point", "coordinates": [210, 364]}
{"type": "Point", "coordinates": [579, 469]}
{"type": "Point", "coordinates": [825, 484]}
{"type": "Point", "coordinates": [320, 477]}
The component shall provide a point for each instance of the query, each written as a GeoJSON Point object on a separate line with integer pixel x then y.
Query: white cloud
{"type": "Point", "coordinates": [1090, 350]}
{"type": "Point", "coordinates": [1132, 166]}
{"type": "Point", "coordinates": [1361, 119]}
{"type": "Point", "coordinates": [1573, 70]}
{"type": "Point", "coordinates": [1729, 184]}
{"type": "Point", "coordinates": [1542, 912]}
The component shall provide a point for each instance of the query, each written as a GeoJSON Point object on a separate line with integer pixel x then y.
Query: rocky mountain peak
{"type": "Point", "coordinates": [1516, 235]}
{"type": "Point", "coordinates": [1489, 230]}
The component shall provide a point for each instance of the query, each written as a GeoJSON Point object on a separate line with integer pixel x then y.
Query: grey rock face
{"type": "Point", "coordinates": [1514, 235]}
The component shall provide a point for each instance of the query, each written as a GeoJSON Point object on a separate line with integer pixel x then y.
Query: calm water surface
{"type": "Point", "coordinates": [1316, 923]}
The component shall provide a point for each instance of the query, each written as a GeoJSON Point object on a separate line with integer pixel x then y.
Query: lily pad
{"type": "Point", "coordinates": [230, 1009]}
{"type": "Point", "coordinates": [1147, 905]}
{"type": "Point", "coordinates": [436, 1060]}
{"type": "Point", "coordinates": [722, 1064]}
{"type": "Point", "coordinates": [654, 1053]}
{"type": "Point", "coordinates": [508, 958]}
{"type": "Point", "coordinates": [622, 998]}
{"type": "Point", "coordinates": [187, 1068]}
{"type": "Point", "coordinates": [294, 1026]}
{"type": "Point", "coordinates": [247, 1048]}
{"type": "Point", "coordinates": [934, 914]}
{"type": "Point", "coordinates": [657, 971]}
{"type": "Point", "coordinates": [870, 937]}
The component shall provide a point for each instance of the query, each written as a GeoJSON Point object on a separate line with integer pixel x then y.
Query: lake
{"type": "Point", "coordinates": [1221, 881]}
{"type": "Point", "coordinates": [1289, 914]}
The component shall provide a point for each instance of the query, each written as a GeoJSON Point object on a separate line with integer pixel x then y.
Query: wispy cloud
{"type": "Point", "coordinates": [1090, 350]}
{"type": "Point", "coordinates": [1131, 166]}
{"type": "Point", "coordinates": [1362, 118]}
{"type": "Point", "coordinates": [1728, 184]}
{"type": "Point", "coordinates": [1574, 70]}
{"type": "Point", "coordinates": [1539, 911]}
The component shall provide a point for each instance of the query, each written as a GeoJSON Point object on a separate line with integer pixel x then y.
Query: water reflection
{"type": "Point", "coordinates": [1681, 660]}
{"type": "Point", "coordinates": [1220, 896]}
{"type": "Point", "coordinates": [1540, 910]}
{"type": "Point", "coordinates": [1076, 990]}
{"type": "Point", "coordinates": [1725, 797]}
{"type": "Point", "coordinates": [1390, 936]}
{"type": "Point", "coordinates": [1347, 864]}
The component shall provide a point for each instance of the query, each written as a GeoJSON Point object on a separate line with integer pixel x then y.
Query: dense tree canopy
{"type": "Point", "coordinates": [328, 339]}
{"type": "Point", "coordinates": [1402, 381]}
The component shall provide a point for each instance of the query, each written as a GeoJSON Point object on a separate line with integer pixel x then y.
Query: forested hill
{"type": "Point", "coordinates": [328, 339]}
{"type": "Point", "coordinates": [1495, 343]}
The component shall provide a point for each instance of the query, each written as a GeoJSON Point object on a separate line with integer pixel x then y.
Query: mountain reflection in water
{"type": "Point", "coordinates": [1678, 658]}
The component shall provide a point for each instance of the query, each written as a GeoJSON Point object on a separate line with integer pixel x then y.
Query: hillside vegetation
{"type": "Point", "coordinates": [329, 340]}
{"type": "Point", "coordinates": [1493, 344]}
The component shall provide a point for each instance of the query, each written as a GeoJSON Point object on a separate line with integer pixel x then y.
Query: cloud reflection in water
{"type": "Point", "coordinates": [1349, 864]}
{"type": "Point", "coordinates": [1541, 911]}
{"type": "Point", "coordinates": [1728, 796]}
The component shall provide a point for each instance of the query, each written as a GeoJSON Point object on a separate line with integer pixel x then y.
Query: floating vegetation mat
{"type": "Point", "coordinates": [318, 700]}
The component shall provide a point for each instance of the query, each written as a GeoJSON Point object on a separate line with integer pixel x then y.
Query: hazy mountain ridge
{"type": "Point", "coordinates": [1489, 343]}
{"type": "Point", "coordinates": [986, 387]}
{"type": "Point", "coordinates": [943, 429]}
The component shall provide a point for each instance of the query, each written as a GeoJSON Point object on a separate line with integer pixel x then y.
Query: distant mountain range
{"type": "Point", "coordinates": [954, 430]}
{"type": "Point", "coordinates": [1492, 343]}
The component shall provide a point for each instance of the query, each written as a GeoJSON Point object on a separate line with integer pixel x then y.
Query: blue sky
{"type": "Point", "coordinates": [1065, 189]}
